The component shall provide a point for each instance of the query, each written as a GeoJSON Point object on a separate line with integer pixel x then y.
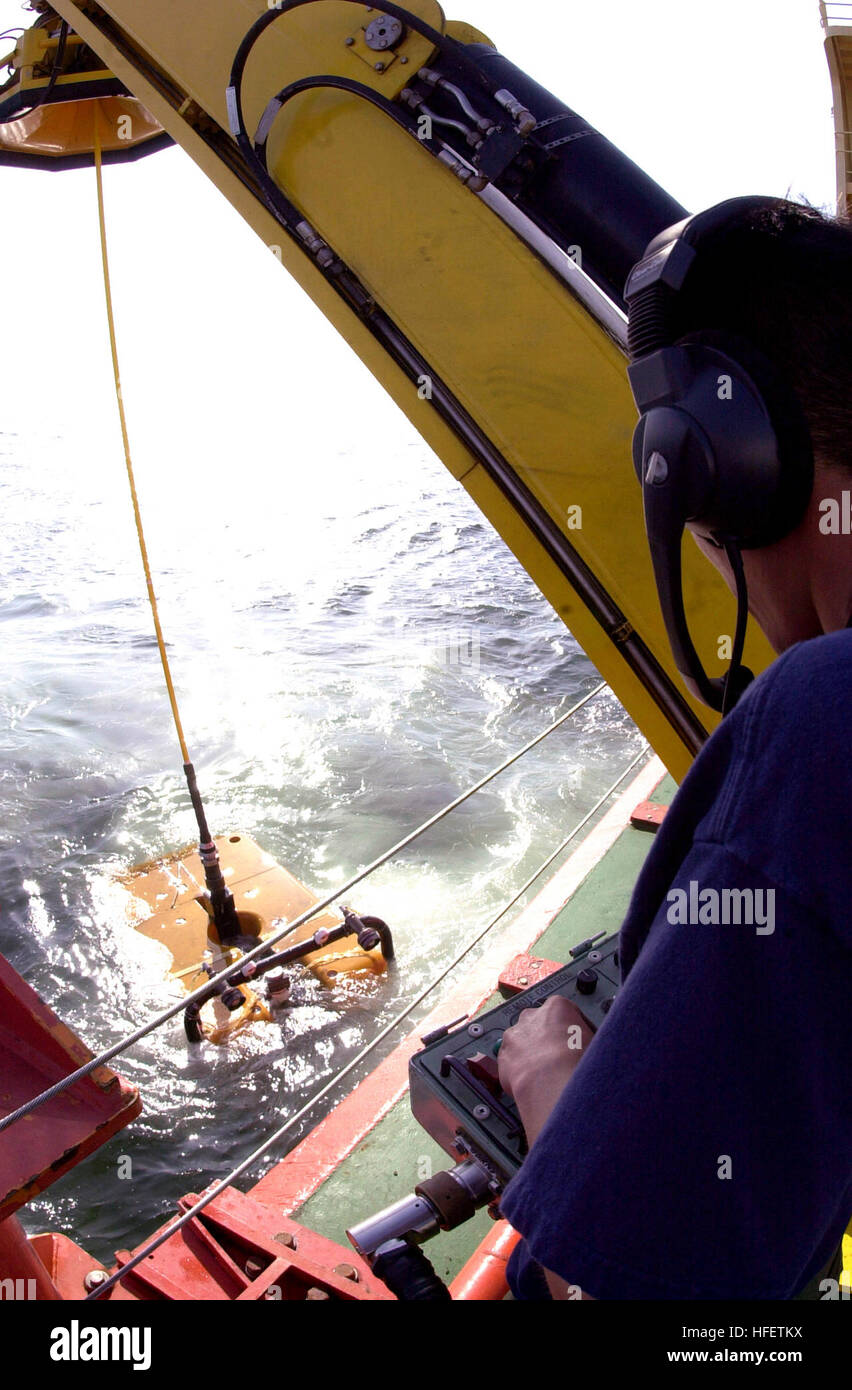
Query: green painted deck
{"type": "Point", "coordinates": [397, 1153]}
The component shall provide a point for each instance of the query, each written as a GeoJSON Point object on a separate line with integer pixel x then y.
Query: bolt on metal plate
{"type": "Point", "coordinates": [383, 32]}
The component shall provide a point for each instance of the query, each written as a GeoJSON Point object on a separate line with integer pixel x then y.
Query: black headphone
{"type": "Point", "coordinates": [722, 442]}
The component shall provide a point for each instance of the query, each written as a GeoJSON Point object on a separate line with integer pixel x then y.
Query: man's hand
{"type": "Point", "coordinates": [538, 1057]}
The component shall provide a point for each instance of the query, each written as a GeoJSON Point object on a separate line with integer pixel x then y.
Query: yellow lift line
{"type": "Point", "coordinates": [263, 892]}
{"type": "Point", "coordinates": [137, 515]}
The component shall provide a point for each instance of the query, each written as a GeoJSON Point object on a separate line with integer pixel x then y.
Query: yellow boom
{"type": "Point", "coordinates": [504, 354]}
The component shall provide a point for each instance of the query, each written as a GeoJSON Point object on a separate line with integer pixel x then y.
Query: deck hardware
{"type": "Point", "coordinates": [384, 32]}
{"type": "Point", "coordinates": [417, 104]}
{"type": "Point", "coordinates": [369, 932]}
{"type": "Point", "coordinates": [320, 249]}
{"type": "Point", "coordinates": [586, 945]}
{"type": "Point", "coordinates": [524, 119]}
{"type": "Point", "coordinates": [488, 1104]}
{"type": "Point", "coordinates": [443, 1031]}
{"type": "Point", "coordinates": [278, 988]}
{"type": "Point", "coordinates": [474, 181]}
{"type": "Point", "coordinates": [390, 1241]}
{"type": "Point", "coordinates": [454, 1086]}
{"type": "Point", "coordinates": [432, 78]}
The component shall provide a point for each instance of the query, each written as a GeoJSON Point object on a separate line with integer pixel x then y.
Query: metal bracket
{"type": "Point", "coordinates": [381, 41]}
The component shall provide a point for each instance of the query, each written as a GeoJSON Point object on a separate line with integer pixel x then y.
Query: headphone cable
{"type": "Point", "coordinates": [738, 677]}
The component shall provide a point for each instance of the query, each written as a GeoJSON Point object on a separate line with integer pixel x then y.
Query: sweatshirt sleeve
{"type": "Point", "coordinates": [702, 1148]}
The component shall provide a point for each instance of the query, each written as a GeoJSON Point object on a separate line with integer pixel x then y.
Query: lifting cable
{"type": "Point", "coordinates": [230, 973]}
{"type": "Point", "coordinates": [219, 1186]}
{"type": "Point", "coordinates": [220, 901]}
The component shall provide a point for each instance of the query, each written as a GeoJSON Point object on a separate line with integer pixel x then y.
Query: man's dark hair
{"type": "Point", "coordinates": [782, 278]}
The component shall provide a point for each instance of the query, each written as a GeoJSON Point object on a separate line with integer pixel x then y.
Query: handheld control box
{"type": "Point", "coordinates": [455, 1093]}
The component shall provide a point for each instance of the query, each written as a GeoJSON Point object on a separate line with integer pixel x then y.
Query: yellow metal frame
{"type": "Point", "coordinates": [164, 903]}
{"type": "Point", "coordinates": [63, 127]}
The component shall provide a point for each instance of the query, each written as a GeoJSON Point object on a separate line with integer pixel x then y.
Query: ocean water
{"type": "Point", "coordinates": [348, 659]}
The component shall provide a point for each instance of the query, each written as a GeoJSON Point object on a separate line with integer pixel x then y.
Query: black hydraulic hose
{"type": "Point", "coordinates": [384, 934]}
{"type": "Point", "coordinates": [222, 905]}
{"type": "Point", "coordinates": [279, 204]}
{"type": "Point", "coordinates": [451, 48]}
{"type": "Point", "coordinates": [343, 84]}
{"type": "Point", "coordinates": [57, 63]}
{"type": "Point", "coordinates": [197, 804]}
{"type": "Point", "coordinates": [369, 932]}
{"type": "Point", "coordinates": [45, 94]}
{"type": "Point", "coordinates": [229, 991]}
{"type": "Point", "coordinates": [409, 1274]}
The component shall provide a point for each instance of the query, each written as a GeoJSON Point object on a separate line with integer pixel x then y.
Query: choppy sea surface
{"type": "Point", "coordinates": [349, 657]}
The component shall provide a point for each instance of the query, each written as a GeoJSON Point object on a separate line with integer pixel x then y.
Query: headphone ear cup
{"type": "Point", "coordinates": [765, 469]}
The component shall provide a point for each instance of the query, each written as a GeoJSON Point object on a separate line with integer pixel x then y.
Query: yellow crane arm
{"type": "Point", "coordinates": [505, 354]}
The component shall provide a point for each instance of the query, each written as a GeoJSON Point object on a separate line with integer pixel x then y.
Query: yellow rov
{"type": "Point", "coordinates": [168, 902]}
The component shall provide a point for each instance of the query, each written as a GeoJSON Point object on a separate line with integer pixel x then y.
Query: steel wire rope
{"type": "Point", "coordinates": [218, 1187]}
{"type": "Point", "coordinates": [223, 977]}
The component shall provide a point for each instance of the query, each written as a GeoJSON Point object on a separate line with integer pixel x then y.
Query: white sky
{"type": "Point", "coordinates": [711, 100]}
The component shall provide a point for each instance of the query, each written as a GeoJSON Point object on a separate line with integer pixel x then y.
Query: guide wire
{"type": "Point", "coordinates": [225, 976]}
{"type": "Point", "coordinates": [218, 1187]}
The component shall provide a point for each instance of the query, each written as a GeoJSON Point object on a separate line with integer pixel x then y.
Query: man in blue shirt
{"type": "Point", "coordinates": [700, 1144]}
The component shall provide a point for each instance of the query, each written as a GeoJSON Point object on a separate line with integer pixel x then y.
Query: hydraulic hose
{"type": "Point", "coordinates": [453, 51]}
{"type": "Point", "coordinates": [409, 1274]}
{"type": "Point", "coordinates": [45, 94]}
{"type": "Point", "coordinates": [342, 84]}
